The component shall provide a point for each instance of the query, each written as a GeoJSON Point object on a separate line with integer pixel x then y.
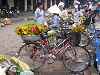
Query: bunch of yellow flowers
{"type": "Point", "coordinates": [30, 29]}
{"type": "Point", "coordinates": [3, 58]}
{"type": "Point", "coordinates": [78, 28]}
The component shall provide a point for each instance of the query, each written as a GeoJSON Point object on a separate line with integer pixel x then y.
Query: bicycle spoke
{"type": "Point", "coordinates": [32, 53]}
{"type": "Point", "coordinates": [78, 62]}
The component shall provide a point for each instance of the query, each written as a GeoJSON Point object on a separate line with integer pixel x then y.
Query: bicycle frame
{"type": "Point", "coordinates": [57, 49]}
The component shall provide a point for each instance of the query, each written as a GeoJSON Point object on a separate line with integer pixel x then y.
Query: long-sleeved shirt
{"type": "Point", "coordinates": [40, 16]}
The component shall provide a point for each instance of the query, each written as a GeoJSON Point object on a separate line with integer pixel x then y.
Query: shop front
{"type": "Point", "coordinates": [27, 5]}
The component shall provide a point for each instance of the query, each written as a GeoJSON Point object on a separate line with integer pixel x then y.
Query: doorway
{"type": "Point", "coordinates": [19, 4]}
{"type": "Point", "coordinates": [4, 4]}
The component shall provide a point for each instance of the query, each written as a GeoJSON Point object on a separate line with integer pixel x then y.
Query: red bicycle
{"type": "Point", "coordinates": [75, 59]}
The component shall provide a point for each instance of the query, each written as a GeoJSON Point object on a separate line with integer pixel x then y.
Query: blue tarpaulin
{"type": "Point", "coordinates": [97, 45]}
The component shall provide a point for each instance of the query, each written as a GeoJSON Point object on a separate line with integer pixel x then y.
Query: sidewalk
{"type": "Point", "coordinates": [22, 19]}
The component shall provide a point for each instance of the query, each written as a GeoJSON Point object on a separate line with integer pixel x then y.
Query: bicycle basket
{"type": "Point", "coordinates": [32, 38]}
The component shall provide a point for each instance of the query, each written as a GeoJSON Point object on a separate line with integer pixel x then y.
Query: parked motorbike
{"type": "Point", "coordinates": [13, 12]}
{"type": "Point", "coordinates": [4, 13]}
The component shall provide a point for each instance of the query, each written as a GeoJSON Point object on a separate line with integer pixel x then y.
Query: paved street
{"type": "Point", "coordinates": [9, 40]}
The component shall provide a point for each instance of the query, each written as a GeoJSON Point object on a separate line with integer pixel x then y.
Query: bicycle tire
{"type": "Point", "coordinates": [25, 55]}
{"type": "Point", "coordinates": [80, 62]}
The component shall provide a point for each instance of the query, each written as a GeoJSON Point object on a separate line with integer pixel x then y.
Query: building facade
{"type": "Point", "coordinates": [27, 5]}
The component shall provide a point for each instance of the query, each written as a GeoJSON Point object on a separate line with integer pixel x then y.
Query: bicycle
{"type": "Point", "coordinates": [67, 30]}
{"type": "Point", "coordinates": [42, 53]}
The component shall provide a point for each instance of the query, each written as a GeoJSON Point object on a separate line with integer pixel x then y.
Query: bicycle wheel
{"type": "Point", "coordinates": [32, 55]}
{"type": "Point", "coordinates": [76, 59]}
{"type": "Point", "coordinates": [24, 50]}
{"type": "Point", "coordinates": [84, 40]}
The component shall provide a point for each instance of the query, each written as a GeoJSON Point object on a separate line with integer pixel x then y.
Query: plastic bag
{"type": "Point", "coordinates": [27, 73]}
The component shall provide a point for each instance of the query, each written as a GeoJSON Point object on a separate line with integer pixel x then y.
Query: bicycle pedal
{"type": "Point", "coordinates": [52, 56]}
{"type": "Point", "coordinates": [42, 56]}
{"type": "Point", "coordinates": [50, 61]}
